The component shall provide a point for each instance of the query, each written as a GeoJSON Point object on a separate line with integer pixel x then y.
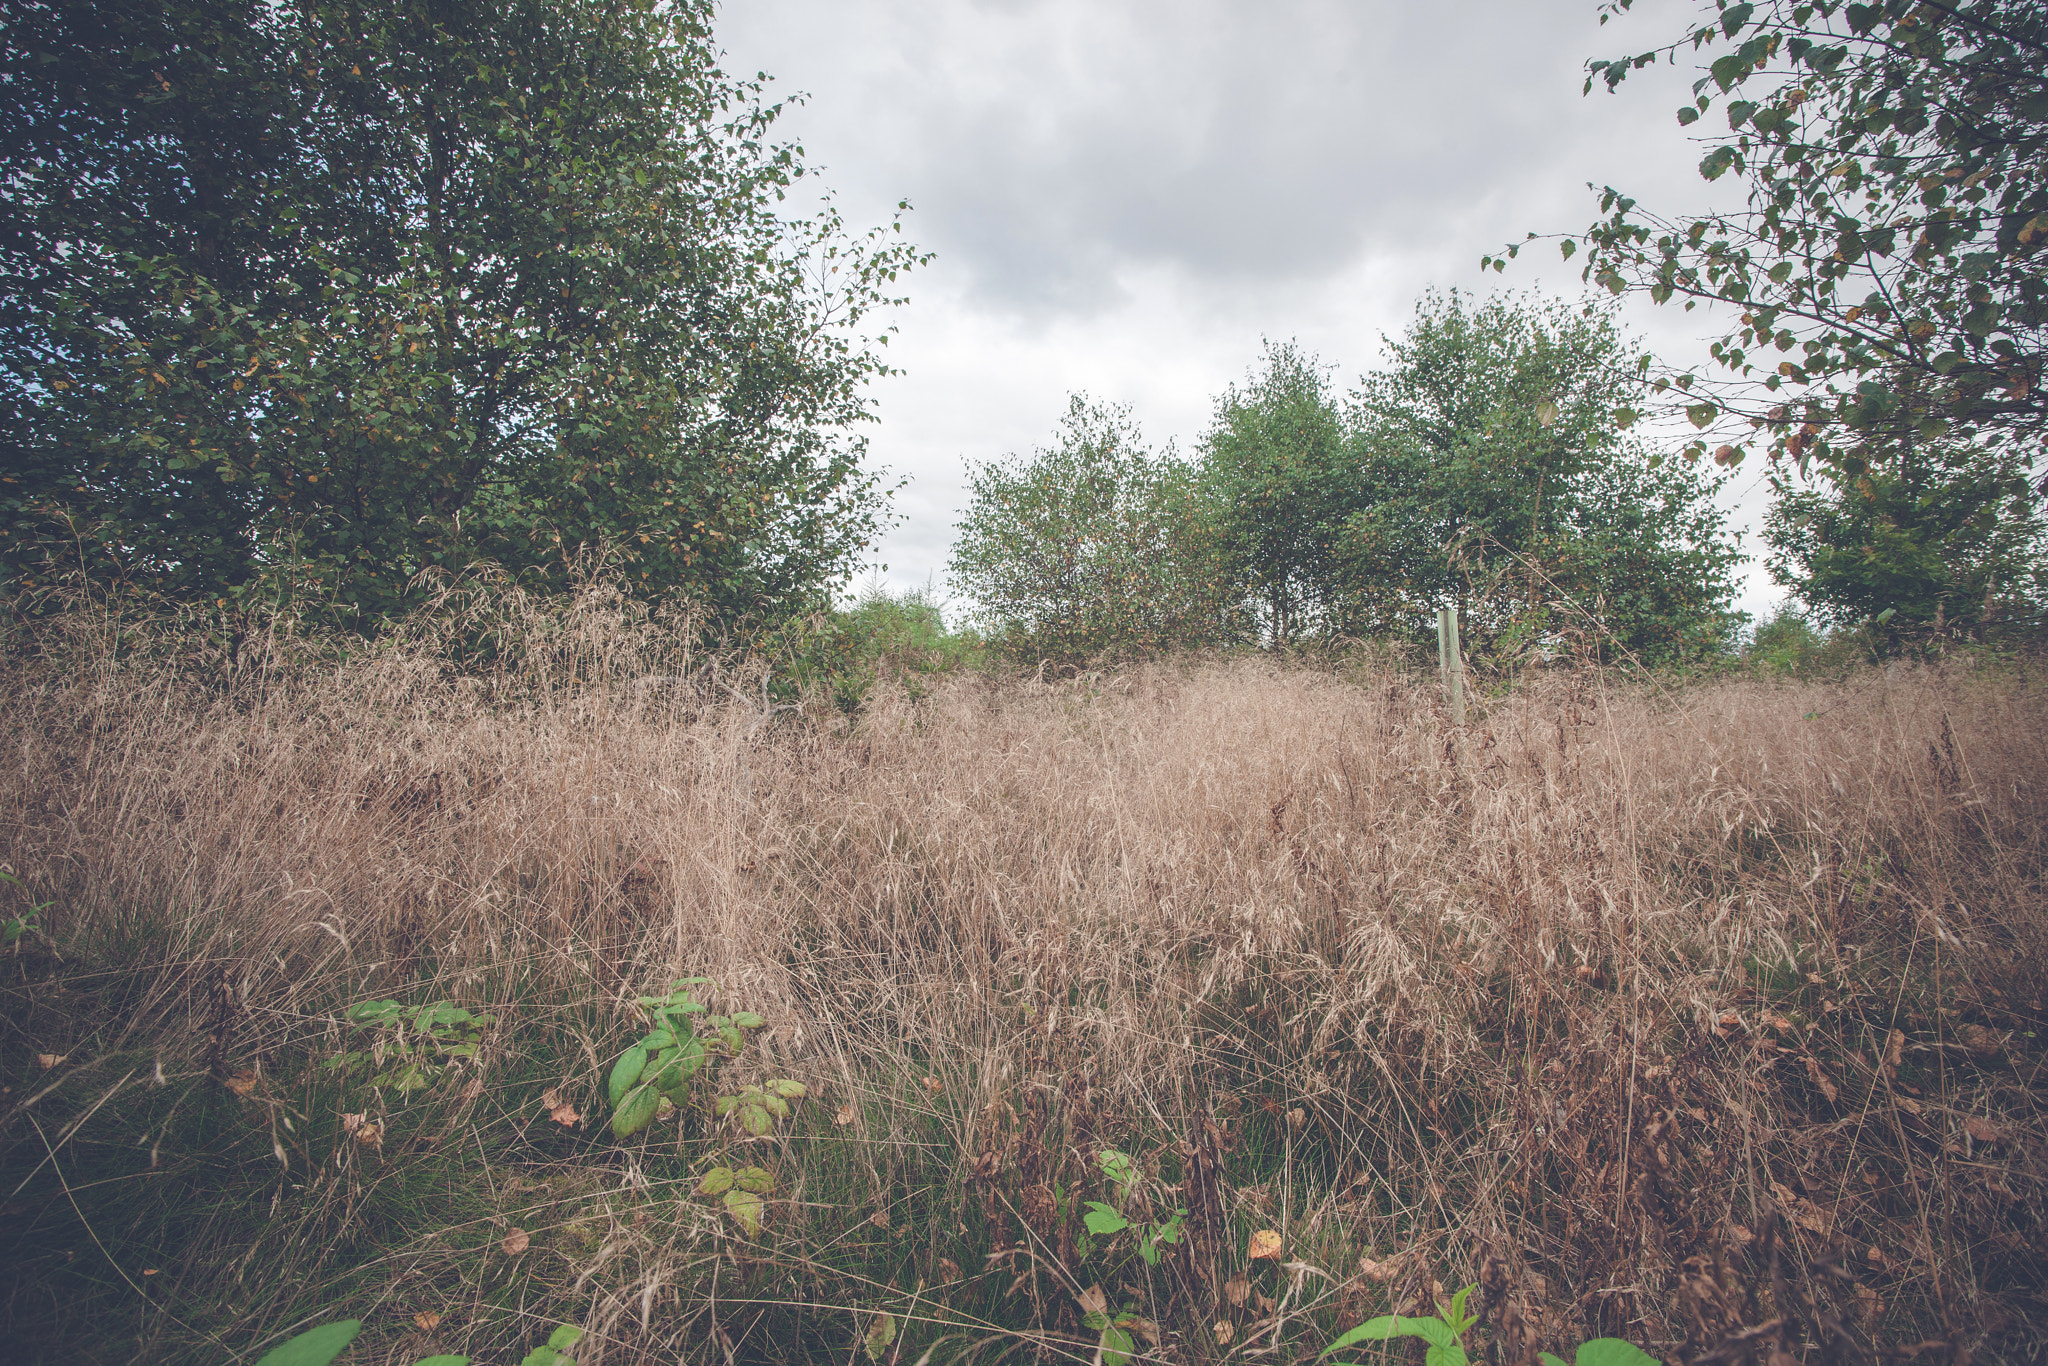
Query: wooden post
{"type": "Point", "coordinates": [1451, 660]}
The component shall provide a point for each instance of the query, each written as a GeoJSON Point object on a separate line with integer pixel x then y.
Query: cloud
{"type": "Point", "coordinates": [1127, 195]}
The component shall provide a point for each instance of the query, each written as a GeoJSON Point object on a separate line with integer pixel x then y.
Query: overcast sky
{"type": "Point", "coordinates": [1126, 196]}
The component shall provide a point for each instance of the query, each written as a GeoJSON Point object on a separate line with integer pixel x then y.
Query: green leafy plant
{"type": "Point", "coordinates": [13, 927]}
{"type": "Point", "coordinates": [741, 1192]}
{"type": "Point", "coordinates": [659, 1067]}
{"type": "Point", "coordinates": [1117, 1334]}
{"type": "Point", "coordinates": [1104, 1221]}
{"type": "Point", "coordinates": [318, 1346]}
{"type": "Point", "coordinates": [1445, 1334]}
{"type": "Point", "coordinates": [411, 1048]}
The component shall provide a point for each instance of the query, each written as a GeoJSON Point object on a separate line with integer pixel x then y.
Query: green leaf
{"type": "Point", "coordinates": [1102, 1220]}
{"type": "Point", "coordinates": [746, 1209]}
{"type": "Point", "coordinates": [626, 1071]}
{"type": "Point", "coordinates": [1117, 1345]}
{"type": "Point", "coordinates": [789, 1090]}
{"type": "Point", "coordinates": [881, 1332]}
{"type": "Point", "coordinates": [1613, 1352]}
{"type": "Point", "coordinates": [1431, 1330]}
{"type": "Point", "coordinates": [717, 1181]}
{"type": "Point", "coordinates": [636, 1112]}
{"type": "Point", "coordinates": [565, 1337]}
{"type": "Point", "coordinates": [756, 1120]}
{"type": "Point", "coordinates": [445, 1360]}
{"type": "Point", "coordinates": [755, 1179]}
{"type": "Point", "coordinates": [315, 1346]}
{"type": "Point", "coordinates": [747, 1019]}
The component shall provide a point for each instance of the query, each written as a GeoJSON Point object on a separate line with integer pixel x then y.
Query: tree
{"type": "Point", "coordinates": [1942, 538]}
{"type": "Point", "coordinates": [1896, 160]}
{"type": "Point", "coordinates": [1494, 475]}
{"type": "Point", "coordinates": [1276, 470]}
{"type": "Point", "coordinates": [313, 299]}
{"type": "Point", "coordinates": [1092, 544]}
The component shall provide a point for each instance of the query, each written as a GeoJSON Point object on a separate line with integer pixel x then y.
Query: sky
{"type": "Point", "coordinates": [1127, 197]}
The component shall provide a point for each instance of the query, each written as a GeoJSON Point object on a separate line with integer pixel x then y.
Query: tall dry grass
{"type": "Point", "coordinates": [1704, 1017]}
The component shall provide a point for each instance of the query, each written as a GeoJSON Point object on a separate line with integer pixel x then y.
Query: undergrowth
{"type": "Point", "coordinates": [1222, 1005]}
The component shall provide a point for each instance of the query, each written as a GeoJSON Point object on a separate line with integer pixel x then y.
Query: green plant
{"type": "Point", "coordinates": [660, 1066]}
{"type": "Point", "coordinates": [318, 1346]}
{"type": "Point", "coordinates": [1105, 1221]}
{"type": "Point", "coordinates": [1118, 1333]}
{"type": "Point", "coordinates": [13, 927]}
{"type": "Point", "coordinates": [741, 1192]}
{"type": "Point", "coordinates": [412, 1048]}
{"type": "Point", "coordinates": [1445, 1334]}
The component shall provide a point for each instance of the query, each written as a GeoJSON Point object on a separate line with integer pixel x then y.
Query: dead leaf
{"type": "Point", "coordinates": [516, 1242]}
{"type": "Point", "coordinates": [370, 1134]}
{"type": "Point", "coordinates": [1984, 1044]}
{"type": "Point", "coordinates": [559, 1109]}
{"type": "Point", "coordinates": [934, 1085]}
{"type": "Point", "coordinates": [426, 1320]}
{"type": "Point", "coordinates": [46, 1061]}
{"type": "Point", "coordinates": [949, 1270]}
{"type": "Point", "coordinates": [1093, 1300]}
{"type": "Point", "coordinates": [1267, 1304]}
{"type": "Point", "coordinates": [1265, 1243]}
{"type": "Point", "coordinates": [1144, 1328]}
{"type": "Point", "coordinates": [1224, 1332]}
{"type": "Point", "coordinates": [1237, 1290]}
{"type": "Point", "coordinates": [1908, 1104]}
{"type": "Point", "coordinates": [1779, 1023]}
{"type": "Point", "coordinates": [880, 1219]}
{"type": "Point", "coordinates": [242, 1083]}
{"type": "Point", "coordinates": [1820, 1079]}
{"type": "Point", "coordinates": [1378, 1271]}
{"type": "Point", "coordinates": [1894, 1052]}
{"type": "Point", "coordinates": [351, 1123]}
{"type": "Point", "coordinates": [1296, 1118]}
{"type": "Point", "coordinates": [844, 1115]}
{"type": "Point", "coordinates": [149, 1271]}
{"type": "Point", "coordinates": [474, 1089]}
{"type": "Point", "coordinates": [1983, 1130]}
{"type": "Point", "coordinates": [1875, 1257]}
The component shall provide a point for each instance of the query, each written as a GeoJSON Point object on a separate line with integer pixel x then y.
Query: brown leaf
{"type": "Point", "coordinates": [370, 1134]}
{"type": "Point", "coordinates": [1224, 1332]}
{"type": "Point", "coordinates": [1779, 1023]}
{"type": "Point", "coordinates": [1265, 1243]}
{"type": "Point", "coordinates": [426, 1320]}
{"type": "Point", "coordinates": [1237, 1290]}
{"type": "Point", "coordinates": [1093, 1300]}
{"type": "Point", "coordinates": [1894, 1051]}
{"type": "Point", "coordinates": [1267, 1304]}
{"type": "Point", "coordinates": [516, 1242]}
{"type": "Point", "coordinates": [562, 1112]}
{"type": "Point", "coordinates": [1379, 1271]}
{"type": "Point", "coordinates": [1820, 1079]}
{"type": "Point", "coordinates": [1983, 1130]}
{"type": "Point", "coordinates": [1144, 1328]}
{"type": "Point", "coordinates": [934, 1085]}
{"type": "Point", "coordinates": [949, 1270]}
{"type": "Point", "coordinates": [1296, 1118]}
{"type": "Point", "coordinates": [242, 1083]}
{"type": "Point", "coordinates": [46, 1061]}
{"type": "Point", "coordinates": [1984, 1044]}
{"type": "Point", "coordinates": [844, 1115]}
{"type": "Point", "coordinates": [880, 1219]}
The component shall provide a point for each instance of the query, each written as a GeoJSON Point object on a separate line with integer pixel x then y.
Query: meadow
{"type": "Point", "coordinates": [1700, 1013]}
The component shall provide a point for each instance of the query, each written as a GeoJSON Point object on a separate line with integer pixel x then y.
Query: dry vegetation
{"type": "Point", "coordinates": [1706, 1018]}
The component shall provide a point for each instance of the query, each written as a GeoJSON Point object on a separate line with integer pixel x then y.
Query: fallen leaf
{"type": "Point", "coordinates": [1265, 1243]}
{"type": "Point", "coordinates": [1296, 1118]}
{"type": "Point", "coordinates": [1984, 1044]}
{"type": "Point", "coordinates": [370, 1134]}
{"type": "Point", "coordinates": [1820, 1079]}
{"type": "Point", "coordinates": [426, 1320]}
{"type": "Point", "coordinates": [46, 1061]}
{"type": "Point", "coordinates": [474, 1089]}
{"type": "Point", "coordinates": [1779, 1023]}
{"type": "Point", "coordinates": [934, 1085]}
{"type": "Point", "coordinates": [1983, 1130]}
{"type": "Point", "coordinates": [351, 1123]}
{"type": "Point", "coordinates": [149, 1271]}
{"type": "Point", "coordinates": [1267, 1304]}
{"type": "Point", "coordinates": [1908, 1104]}
{"type": "Point", "coordinates": [1144, 1328]}
{"type": "Point", "coordinates": [516, 1242]}
{"type": "Point", "coordinates": [242, 1083]}
{"type": "Point", "coordinates": [1237, 1290]}
{"type": "Point", "coordinates": [1378, 1271]}
{"type": "Point", "coordinates": [565, 1115]}
{"type": "Point", "coordinates": [1224, 1332]}
{"type": "Point", "coordinates": [949, 1270]}
{"type": "Point", "coordinates": [881, 1332]}
{"type": "Point", "coordinates": [843, 1116]}
{"type": "Point", "coordinates": [1875, 1257]}
{"type": "Point", "coordinates": [1093, 1300]}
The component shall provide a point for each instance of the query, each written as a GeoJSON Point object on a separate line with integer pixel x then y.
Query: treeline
{"type": "Point", "coordinates": [1489, 464]}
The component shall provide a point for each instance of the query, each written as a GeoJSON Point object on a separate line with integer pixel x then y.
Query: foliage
{"type": "Point", "coordinates": [1496, 476]}
{"type": "Point", "coordinates": [318, 1346]}
{"type": "Point", "coordinates": [1445, 1334]}
{"type": "Point", "coordinates": [1942, 538]}
{"type": "Point", "coordinates": [303, 303]}
{"type": "Point", "coordinates": [411, 1048]}
{"type": "Point", "coordinates": [1276, 469]}
{"type": "Point", "coordinates": [1092, 544]}
{"type": "Point", "coordinates": [1896, 224]}
{"type": "Point", "coordinates": [1105, 1221]}
{"type": "Point", "coordinates": [13, 927]}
